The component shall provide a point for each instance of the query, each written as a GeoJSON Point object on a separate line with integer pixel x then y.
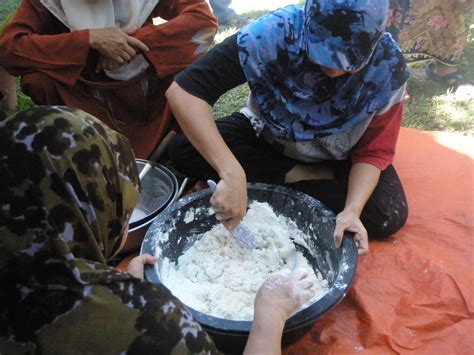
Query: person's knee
{"type": "Point", "coordinates": [177, 149]}
{"type": "Point", "coordinates": [390, 220]}
{"type": "Point", "coordinates": [39, 87]}
{"type": "Point", "coordinates": [184, 156]}
{"type": "Point", "coordinates": [187, 160]}
{"type": "Point", "coordinates": [387, 209]}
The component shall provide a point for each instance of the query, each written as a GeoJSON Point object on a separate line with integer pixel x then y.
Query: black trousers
{"type": "Point", "coordinates": [386, 210]}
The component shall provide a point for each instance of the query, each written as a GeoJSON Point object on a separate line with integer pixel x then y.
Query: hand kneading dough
{"type": "Point", "coordinates": [217, 277]}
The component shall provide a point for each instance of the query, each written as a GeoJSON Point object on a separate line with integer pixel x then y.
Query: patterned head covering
{"type": "Point", "coordinates": [71, 184]}
{"type": "Point", "coordinates": [68, 185]}
{"type": "Point", "coordinates": [343, 34]}
{"type": "Point", "coordinates": [297, 101]}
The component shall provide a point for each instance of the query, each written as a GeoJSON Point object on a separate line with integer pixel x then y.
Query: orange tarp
{"type": "Point", "coordinates": [414, 293]}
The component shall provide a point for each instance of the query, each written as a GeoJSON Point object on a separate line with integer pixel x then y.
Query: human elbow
{"type": "Point", "coordinates": [173, 92]}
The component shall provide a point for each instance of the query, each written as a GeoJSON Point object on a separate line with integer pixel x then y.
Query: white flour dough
{"type": "Point", "coordinates": [217, 277]}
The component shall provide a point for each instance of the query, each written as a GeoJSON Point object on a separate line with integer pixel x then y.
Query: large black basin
{"type": "Point", "coordinates": [169, 236]}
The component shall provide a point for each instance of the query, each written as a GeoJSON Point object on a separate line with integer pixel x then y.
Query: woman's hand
{"type": "Point", "coordinates": [363, 178]}
{"type": "Point", "coordinates": [284, 293]}
{"type": "Point", "coordinates": [196, 120]}
{"type": "Point", "coordinates": [278, 298]}
{"type": "Point", "coordinates": [115, 44]}
{"type": "Point", "coordinates": [136, 267]}
{"type": "Point", "coordinates": [230, 199]}
{"type": "Point", "coordinates": [106, 63]}
{"type": "Point", "coordinates": [350, 221]}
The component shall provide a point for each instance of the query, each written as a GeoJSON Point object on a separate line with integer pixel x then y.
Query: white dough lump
{"type": "Point", "coordinates": [218, 277]}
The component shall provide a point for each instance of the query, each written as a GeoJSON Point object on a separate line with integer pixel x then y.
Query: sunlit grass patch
{"type": "Point", "coordinates": [231, 102]}
{"type": "Point", "coordinates": [223, 33]}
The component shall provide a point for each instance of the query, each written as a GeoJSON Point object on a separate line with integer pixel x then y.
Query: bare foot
{"type": "Point", "coordinates": [309, 172]}
{"type": "Point", "coordinates": [441, 69]}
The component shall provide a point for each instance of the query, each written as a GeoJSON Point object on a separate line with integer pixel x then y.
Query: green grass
{"type": "Point", "coordinates": [7, 7]}
{"type": "Point", "coordinates": [24, 101]}
{"type": "Point", "coordinates": [430, 106]}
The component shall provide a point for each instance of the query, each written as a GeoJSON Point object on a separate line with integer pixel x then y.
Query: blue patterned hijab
{"type": "Point", "coordinates": [281, 54]}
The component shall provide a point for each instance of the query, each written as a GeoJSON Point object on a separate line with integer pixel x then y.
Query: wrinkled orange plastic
{"type": "Point", "coordinates": [414, 293]}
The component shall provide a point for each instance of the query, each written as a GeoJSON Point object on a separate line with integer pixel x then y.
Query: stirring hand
{"type": "Point", "coordinates": [243, 236]}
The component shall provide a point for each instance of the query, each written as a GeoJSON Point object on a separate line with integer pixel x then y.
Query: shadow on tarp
{"type": "Point", "coordinates": [414, 292]}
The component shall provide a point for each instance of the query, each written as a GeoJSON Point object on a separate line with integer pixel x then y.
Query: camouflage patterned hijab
{"type": "Point", "coordinates": [71, 183]}
{"type": "Point", "coordinates": [68, 185]}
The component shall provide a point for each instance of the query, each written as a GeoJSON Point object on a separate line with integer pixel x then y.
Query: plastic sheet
{"type": "Point", "coordinates": [414, 293]}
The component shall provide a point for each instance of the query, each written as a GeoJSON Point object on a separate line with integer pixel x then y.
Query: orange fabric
{"type": "Point", "coordinates": [414, 293]}
{"type": "Point", "coordinates": [35, 41]}
{"type": "Point", "coordinates": [54, 64]}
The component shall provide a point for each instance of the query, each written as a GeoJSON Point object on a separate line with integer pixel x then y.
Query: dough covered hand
{"type": "Point", "coordinates": [280, 296]}
{"type": "Point", "coordinates": [284, 292]}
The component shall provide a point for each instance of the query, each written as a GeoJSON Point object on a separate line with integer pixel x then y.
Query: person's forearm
{"type": "Point", "coordinates": [363, 179]}
{"type": "Point", "coordinates": [64, 62]}
{"type": "Point", "coordinates": [197, 123]}
{"type": "Point", "coordinates": [265, 335]}
{"type": "Point", "coordinates": [28, 44]}
{"type": "Point", "coordinates": [191, 30]}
